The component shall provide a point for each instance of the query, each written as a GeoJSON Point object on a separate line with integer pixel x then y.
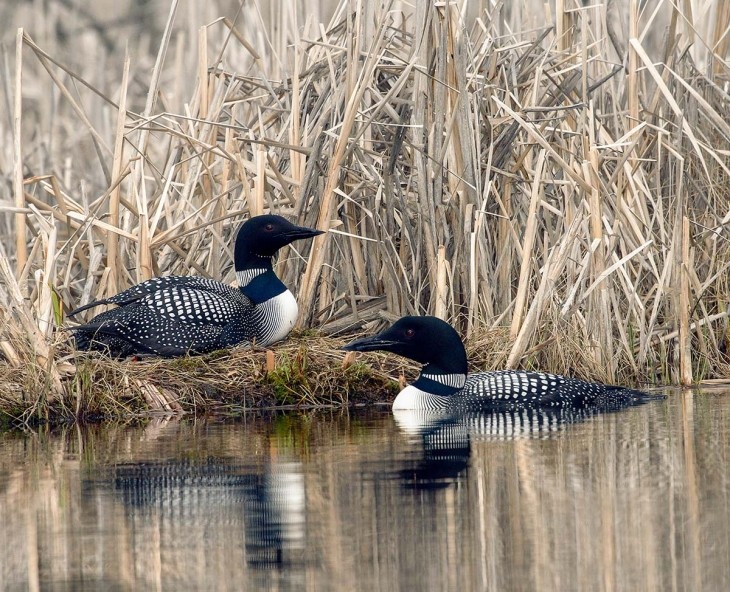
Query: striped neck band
{"type": "Point", "coordinates": [244, 276]}
{"type": "Point", "coordinates": [452, 380]}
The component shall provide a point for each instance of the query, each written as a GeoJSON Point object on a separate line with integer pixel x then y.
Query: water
{"type": "Point", "coordinates": [633, 500]}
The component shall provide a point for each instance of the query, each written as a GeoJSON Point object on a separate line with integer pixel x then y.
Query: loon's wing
{"type": "Point", "coordinates": [173, 321]}
{"type": "Point", "coordinates": [506, 390]}
{"type": "Point", "coordinates": [141, 330]}
{"type": "Point", "coordinates": [154, 285]}
{"type": "Point", "coordinates": [199, 307]}
{"type": "Point", "coordinates": [517, 389]}
{"type": "Point", "coordinates": [572, 392]}
{"type": "Point", "coordinates": [89, 337]}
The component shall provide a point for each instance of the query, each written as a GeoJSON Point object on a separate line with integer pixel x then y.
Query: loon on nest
{"type": "Point", "coordinates": [444, 385]}
{"type": "Point", "coordinates": [175, 315]}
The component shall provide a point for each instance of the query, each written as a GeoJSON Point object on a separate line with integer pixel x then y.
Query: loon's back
{"type": "Point", "coordinates": [169, 316]}
{"type": "Point", "coordinates": [509, 390]}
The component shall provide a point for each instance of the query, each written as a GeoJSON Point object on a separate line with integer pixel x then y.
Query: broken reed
{"type": "Point", "coordinates": [565, 183]}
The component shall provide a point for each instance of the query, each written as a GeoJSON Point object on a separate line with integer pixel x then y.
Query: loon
{"type": "Point", "coordinates": [177, 315]}
{"type": "Point", "coordinates": [444, 385]}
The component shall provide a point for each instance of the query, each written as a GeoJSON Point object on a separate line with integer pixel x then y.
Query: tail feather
{"type": "Point", "coordinates": [92, 337]}
{"type": "Point", "coordinates": [101, 334]}
{"type": "Point", "coordinates": [637, 394]}
{"type": "Point", "coordinates": [621, 396]}
{"type": "Point", "coordinates": [87, 307]}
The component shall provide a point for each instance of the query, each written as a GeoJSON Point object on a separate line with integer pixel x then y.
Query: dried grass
{"type": "Point", "coordinates": [305, 371]}
{"type": "Point", "coordinates": [563, 189]}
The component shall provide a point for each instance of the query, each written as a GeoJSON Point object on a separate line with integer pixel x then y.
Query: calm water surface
{"type": "Point", "coordinates": [633, 500]}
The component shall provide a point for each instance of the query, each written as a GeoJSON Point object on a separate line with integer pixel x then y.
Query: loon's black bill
{"type": "Point", "coordinates": [299, 232]}
{"type": "Point", "coordinates": [367, 344]}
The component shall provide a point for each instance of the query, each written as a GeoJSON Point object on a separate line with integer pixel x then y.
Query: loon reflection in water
{"type": "Point", "coordinates": [267, 503]}
{"type": "Point", "coordinates": [271, 503]}
{"type": "Point", "coordinates": [446, 438]}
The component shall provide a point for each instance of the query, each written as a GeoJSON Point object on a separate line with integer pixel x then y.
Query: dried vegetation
{"type": "Point", "coordinates": [554, 183]}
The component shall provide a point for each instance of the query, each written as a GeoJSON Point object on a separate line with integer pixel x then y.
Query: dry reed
{"type": "Point", "coordinates": [559, 192]}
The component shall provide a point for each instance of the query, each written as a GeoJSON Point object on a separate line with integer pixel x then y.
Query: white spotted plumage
{"type": "Point", "coordinates": [509, 390]}
{"type": "Point", "coordinates": [445, 385]}
{"type": "Point", "coordinates": [173, 315]}
{"type": "Point", "coordinates": [200, 315]}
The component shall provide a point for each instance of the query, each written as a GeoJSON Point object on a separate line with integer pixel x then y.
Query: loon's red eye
{"type": "Point", "coordinates": [269, 227]}
{"type": "Point", "coordinates": [410, 332]}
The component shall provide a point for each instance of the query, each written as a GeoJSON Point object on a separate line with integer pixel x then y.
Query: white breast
{"type": "Point", "coordinates": [414, 398]}
{"type": "Point", "coordinates": [276, 317]}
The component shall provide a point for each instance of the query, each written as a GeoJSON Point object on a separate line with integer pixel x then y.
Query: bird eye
{"type": "Point", "coordinates": [269, 227]}
{"type": "Point", "coordinates": [410, 332]}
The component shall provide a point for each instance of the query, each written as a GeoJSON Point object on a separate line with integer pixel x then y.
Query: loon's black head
{"type": "Point", "coordinates": [263, 236]}
{"type": "Point", "coordinates": [427, 340]}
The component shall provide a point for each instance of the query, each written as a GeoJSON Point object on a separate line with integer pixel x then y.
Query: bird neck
{"type": "Point", "coordinates": [249, 265]}
{"type": "Point", "coordinates": [260, 284]}
{"type": "Point", "coordinates": [256, 278]}
{"type": "Point", "coordinates": [436, 380]}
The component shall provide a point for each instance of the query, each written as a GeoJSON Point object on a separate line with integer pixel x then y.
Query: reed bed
{"type": "Point", "coordinates": [298, 374]}
{"type": "Point", "coordinates": [552, 179]}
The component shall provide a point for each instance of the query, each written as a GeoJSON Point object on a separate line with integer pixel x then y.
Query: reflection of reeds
{"type": "Point", "coordinates": [570, 183]}
{"type": "Point", "coordinates": [632, 500]}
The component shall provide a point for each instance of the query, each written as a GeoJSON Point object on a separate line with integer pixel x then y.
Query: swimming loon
{"type": "Point", "coordinates": [444, 385]}
{"type": "Point", "coordinates": [175, 315]}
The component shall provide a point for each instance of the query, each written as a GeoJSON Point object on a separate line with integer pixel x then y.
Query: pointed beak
{"type": "Point", "coordinates": [299, 232]}
{"type": "Point", "coordinates": [366, 344]}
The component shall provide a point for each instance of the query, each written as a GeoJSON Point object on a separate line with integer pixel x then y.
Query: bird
{"type": "Point", "coordinates": [173, 316]}
{"type": "Point", "coordinates": [445, 385]}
